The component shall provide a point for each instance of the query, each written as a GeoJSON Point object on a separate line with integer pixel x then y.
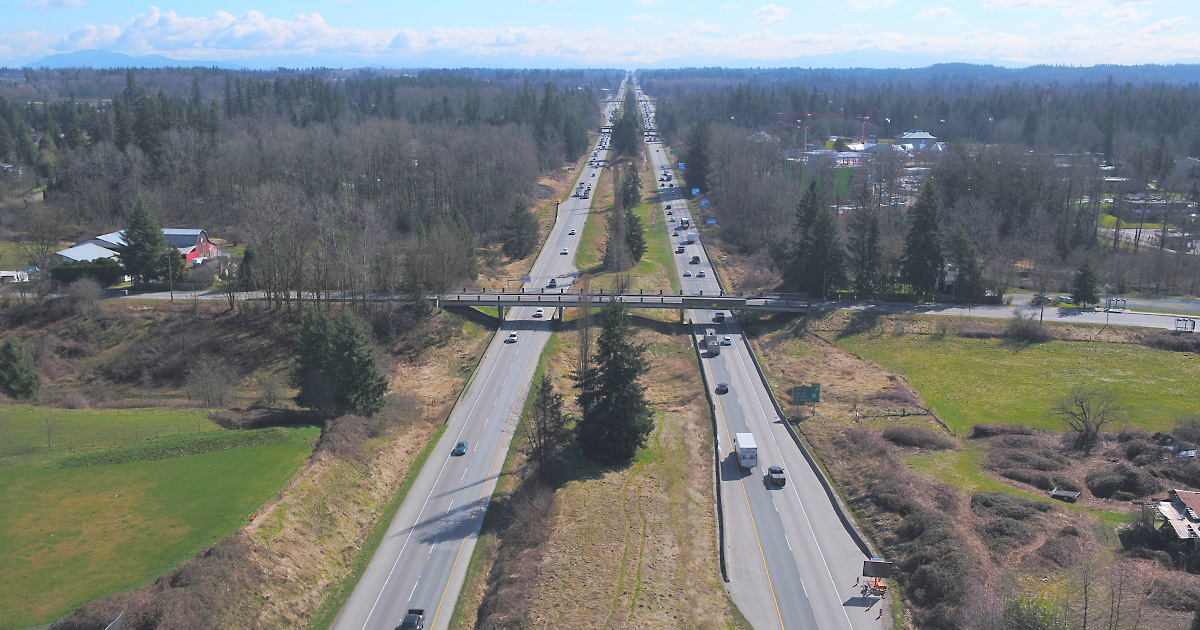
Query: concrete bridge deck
{"type": "Point", "coordinates": [564, 299]}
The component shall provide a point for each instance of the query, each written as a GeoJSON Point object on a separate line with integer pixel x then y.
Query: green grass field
{"type": "Point", "coordinates": [73, 534]}
{"type": "Point", "coordinates": [11, 256]}
{"type": "Point", "coordinates": [970, 381]}
{"type": "Point", "coordinates": [23, 429]}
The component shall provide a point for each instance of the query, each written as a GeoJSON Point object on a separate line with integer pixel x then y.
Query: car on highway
{"type": "Point", "coordinates": [593, 174]}
{"type": "Point", "coordinates": [687, 274]}
{"type": "Point", "coordinates": [512, 338]}
{"type": "Point", "coordinates": [414, 620]}
{"type": "Point", "coordinates": [672, 220]}
{"type": "Point", "coordinates": [459, 449]}
{"type": "Point", "coordinates": [571, 233]}
{"type": "Point", "coordinates": [564, 251]}
{"type": "Point", "coordinates": [727, 341]}
{"type": "Point", "coordinates": [722, 388]}
{"type": "Point", "coordinates": [700, 274]}
{"type": "Point", "coordinates": [553, 284]}
{"type": "Point", "coordinates": [668, 208]}
{"type": "Point", "coordinates": [776, 476]}
{"type": "Point", "coordinates": [541, 312]}
{"type": "Point", "coordinates": [678, 250]}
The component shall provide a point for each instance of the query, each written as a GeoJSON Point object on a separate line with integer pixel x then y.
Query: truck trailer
{"type": "Point", "coordinates": [745, 449]}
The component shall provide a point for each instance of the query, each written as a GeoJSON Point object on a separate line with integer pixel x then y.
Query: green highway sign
{"type": "Point", "coordinates": [811, 394]}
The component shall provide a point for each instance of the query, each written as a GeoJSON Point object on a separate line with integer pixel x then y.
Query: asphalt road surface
{"type": "Point", "coordinates": [791, 562]}
{"type": "Point", "coordinates": [422, 560]}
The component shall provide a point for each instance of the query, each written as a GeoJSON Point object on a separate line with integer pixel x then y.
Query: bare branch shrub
{"type": "Point", "coordinates": [1086, 410]}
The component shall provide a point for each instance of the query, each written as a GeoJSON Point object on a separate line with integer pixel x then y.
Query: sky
{"type": "Point", "coordinates": [610, 33]}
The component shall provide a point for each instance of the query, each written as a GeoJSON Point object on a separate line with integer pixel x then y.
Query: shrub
{"type": "Point", "coordinates": [1172, 341]}
{"type": "Point", "coordinates": [917, 437]}
{"type": "Point", "coordinates": [1188, 430]}
{"type": "Point", "coordinates": [1005, 534]}
{"type": "Point", "coordinates": [988, 429]}
{"type": "Point", "coordinates": [210, 381]}
{"type": "Point", "coordinates": [1135, 482]}
{"type": "Point", "coordinates": [1039, 459]}
{"type": "Point", "coordinates": [1007, 505]}
{"type": "Point", "coordinates": [105, 272]}
{"type": "Point", "coordinates": [1042, 480]}
{"type": "Point", "coordinates": [19, 377]}
{"type": "Point", "coordinates": [1062, 551]}
{"type": "Point", "coordinates": [1143, 452]}
{"type": "Point", "coordinates": [1026, 330]}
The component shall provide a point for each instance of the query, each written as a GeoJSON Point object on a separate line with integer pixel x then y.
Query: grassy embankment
{"type": "Point", "coordinates": [74, 532]}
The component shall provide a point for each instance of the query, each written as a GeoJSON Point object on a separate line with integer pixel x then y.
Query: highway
{"type": "Point", "coordinates": [422, 560]}
{"type": "Point", "coordinates": [791, 562]}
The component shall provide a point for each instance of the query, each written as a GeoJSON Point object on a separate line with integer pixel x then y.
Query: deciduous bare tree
{"type": "Point", "coordinates": [1086, 410]}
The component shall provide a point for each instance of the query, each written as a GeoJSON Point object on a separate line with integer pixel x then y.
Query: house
{"type": "Point", "coordinates": [1181, 516]}
{"type": "Point", "coordinates": [86, 252]}
{"type": "Point", "coordinates": [917, 138]}
{"type": "Point", "coordinates": [194, 245]}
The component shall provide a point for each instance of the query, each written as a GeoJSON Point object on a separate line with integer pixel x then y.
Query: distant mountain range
{"type": "Point", "coordinates": [108, 59]}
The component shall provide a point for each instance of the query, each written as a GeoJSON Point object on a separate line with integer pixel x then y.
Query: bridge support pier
{"type": "Point", "coordinates": [500, 312]}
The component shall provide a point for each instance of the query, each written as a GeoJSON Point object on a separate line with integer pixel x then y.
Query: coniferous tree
{"type": "Point", "coordinates": [922, 261]}
{"type": "Point", "coordinates": [616, 418]}
{"type": "Point", "coordinates": [697, 155]}
{"type": "Point", "coordinates": [866, 251]}
{"type": "Point", "coordinates": [146, 254]}
{"type": "Point", "coordinates": [520, 233]}
{"type": "Point", "coordinates": [314, 360]}
{"type": "Point", "coordinates": [358, 385]}
{"type": "Point", "coordinates": [1083, 286]}
{"type": "Point", "coordinates": [547, 428]}
{"type": "Point", "coordinates": [635, 237]}
{"type": "Point", "coordinates": [19, 377]}
{"type": "Point", "coordinates": [965, 257]}
{"type": "Point", "coordinates": [823, 255]}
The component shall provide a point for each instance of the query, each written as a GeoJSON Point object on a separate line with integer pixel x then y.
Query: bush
{"type": "Point", "coordinates": [1143, 452]}
{"type": "Point", "coordinates": [210, 381]}
{"type": "Point", "coordinates": [1038, 459]}
{"type": "Point", "coordinates": [932, 553]}
{"type": "Point", "coordinates": [1026, 330]}
{"type": "Point", "coordinates": [1007, 505]}
{"type": "Point", "coordinates": [1042, 480]}
{"type": "Point", "coordinates": [988, 429]}
{"type": "Point", "coordinates": [1062, 551]}
{"type": "Point", "coordinates": [1172, 341]}
{"type": "Point", "coordinates": [84, 295]}
{"type": "Point", "coordinates": [917, 437]}
{"type": "Point", "coordinates": [1004, 534]}
{"type": "Point", "coordinates": [105, 272]}
{"type": "Point", "coordinates": [1133, 482]}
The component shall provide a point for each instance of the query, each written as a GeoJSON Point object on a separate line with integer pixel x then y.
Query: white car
{"type": "Point", "coordinates": [700, 274]}
{"type": "Point", "coordinates": [727, 341]}
{"type": "Point", "coordinates": [687, 274]}
{"type": "Point", "coordinates": [541, 312]}
{"type": "Point", "coordinates": [512, 338]}
{"type": "Point", "coordinates": [564, 251]}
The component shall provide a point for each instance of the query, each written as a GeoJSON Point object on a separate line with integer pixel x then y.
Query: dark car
{"type": "Point", "coordinates": [776, 476]}
{"type": "Point", "coordinates": [414, 620]}
{"type": "Point", "coordinates": [722, 388]}
{"type": "Point", "coordinates": [459, 449]}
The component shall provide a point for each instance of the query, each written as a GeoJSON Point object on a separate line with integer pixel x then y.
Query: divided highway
{"type": "Point", "coordinates": [791, 562]}
{"type": "Point", "coordinates": [422, 560]}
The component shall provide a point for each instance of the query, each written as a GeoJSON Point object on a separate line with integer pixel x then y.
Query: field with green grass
{"type": "Point", "coordinates": [11, 256]}
{"type": "Point", "coordinates": [76, 528]}
{"type": "Point", "coordinates": [970, 381]}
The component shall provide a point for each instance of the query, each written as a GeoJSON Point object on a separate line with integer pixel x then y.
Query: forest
{"type": "Point", "coordinates": [334, 180]}
{"type": "Point", "coordinates": [1037, 169]}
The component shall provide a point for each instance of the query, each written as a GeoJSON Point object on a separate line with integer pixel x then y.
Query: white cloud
{"type": "Point", "coordinates": [50, 5]}
{"type": "Point", "coordinates": [869, 5]}
{"type": "Point", "coordinates": [770, 14]}
{"type": "Point", "coordinates": [647, 3]}
{"type": "Point", "coordinates": [938, 12]}
{"type": "Point", "coordinates": [1122, 11]}
{"type": "Point", "coordinates": [645, 17]}
{"type": "Point", "coordinates": [1163, 26]}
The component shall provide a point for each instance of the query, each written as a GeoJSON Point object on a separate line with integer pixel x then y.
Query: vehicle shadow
{"type": "Point", "coordinates": [731, 470]}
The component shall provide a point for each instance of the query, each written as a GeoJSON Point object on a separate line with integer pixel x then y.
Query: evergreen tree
{"type": "Point", "coordinates": [866, 252]}
{"type": "Point", "coordinates": [547, 428]}
{"type": "Point", "coordinates": [358, 385]}
{"type": "Point", "coordinates": [823, 255]}
{"type": "Point", "coordinates": [1083, 286]}
{"type": "Point", "coordinates": [616, 249]}
{"type": "Point", "coordinates": [575, 138]}
{"type": "Point", "coordinates": [520, 233]}
{"type": "Point", "coordinates": [697, 155]}
{"type": "Point", "coordinates": [146, 254]}
{"type": "Point", "coordinates": [922, 262]}
{"type": "Point", "coordinates": [616, 418]}
{"type": "Point", "coordinates": [314, 360]}
{"type": "Point", "coordinates": [965, 257]}
{"type": "Point", "coordinates": [625, 140]}
{"type": "Point", "coordinates": [19, 377]}
{"type": "Point", "coordinates": [635, 237]}
{"type": "Point", "coordinates": [631, 188]}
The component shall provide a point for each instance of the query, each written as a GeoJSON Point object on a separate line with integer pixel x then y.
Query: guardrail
{"type": "Point", "coordinates": [565, 299]}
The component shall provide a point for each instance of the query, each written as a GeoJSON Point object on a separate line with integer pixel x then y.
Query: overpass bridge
{"type": "Point", "coordinates": [561, 298]}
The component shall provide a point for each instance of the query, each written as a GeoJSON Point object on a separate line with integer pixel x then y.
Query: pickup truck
{"type": "Point", "coordinates": [413, 620]}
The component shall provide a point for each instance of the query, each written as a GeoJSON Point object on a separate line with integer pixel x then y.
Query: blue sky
{"type": "Point", "coordinates": [610, 33]}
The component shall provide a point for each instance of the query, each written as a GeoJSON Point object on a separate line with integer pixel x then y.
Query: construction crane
{"type": "Point", "coordinates": [865, 119]}
{"type": "Point", "coordinates": [806, 129]}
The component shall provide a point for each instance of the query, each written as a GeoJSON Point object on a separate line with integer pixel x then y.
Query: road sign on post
{"type": "Point", "coordinates": [695, 191]}
{"type": "Point", "coordinates": [711, 222]}
{"type": "Point", "coordinates": [810, 394]}
{"type": "Point", "coordinates": [681, 164]}
{"type": "Point", "coordinates": [703, 203]}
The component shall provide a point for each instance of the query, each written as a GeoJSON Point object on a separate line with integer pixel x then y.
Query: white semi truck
{"type": "Point", "coordinates": [745, 449]}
